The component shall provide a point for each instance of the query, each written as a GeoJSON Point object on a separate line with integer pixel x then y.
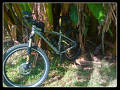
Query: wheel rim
{"type": "Point", "coordinates": [12, 68]}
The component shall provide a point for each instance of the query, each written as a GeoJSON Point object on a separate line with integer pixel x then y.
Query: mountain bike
{"type": "Point", "coordinates": [26, 65]}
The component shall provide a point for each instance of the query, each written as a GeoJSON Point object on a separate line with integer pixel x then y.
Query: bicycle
{"type": "Point", "coordinates": [20, 60]}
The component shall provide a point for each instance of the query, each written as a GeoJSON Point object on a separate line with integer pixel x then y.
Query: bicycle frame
{"type": "Point", "coordinates": [38, 32]}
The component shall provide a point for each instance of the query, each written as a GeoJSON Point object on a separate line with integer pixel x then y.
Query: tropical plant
{"type": "Point", "coordinates": [80, 14]}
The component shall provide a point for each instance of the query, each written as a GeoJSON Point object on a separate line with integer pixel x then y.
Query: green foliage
{"type": "Point", "coordinates": [110, 32]}
{"type": "Point", "coordinates": [26, 7]}
{"type": "Point", "coordinates": [49, 13]}
{"type": "Point", "coordinates": [85, 31]}
{"type": "Point", "coordinates": [73, 14]}
{"type": "Point", "coordinates": [9, 6]}
{"type": "Point", "coordinates": [86, 25]}
{"type": "Point", "coordinates": [97, 11]}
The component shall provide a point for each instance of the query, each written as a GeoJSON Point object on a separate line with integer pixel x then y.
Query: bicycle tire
{"type": "Point", "coordinates": [11, 51]}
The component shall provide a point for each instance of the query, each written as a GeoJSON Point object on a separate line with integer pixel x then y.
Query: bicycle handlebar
{"type": "Point", "coordinates": [28, 17]}
{"type": "Point", "coordinates": [27, 13]}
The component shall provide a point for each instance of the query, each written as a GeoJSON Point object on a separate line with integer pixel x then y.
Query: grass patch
{"type": "Point", "coordinates": [103, 75]}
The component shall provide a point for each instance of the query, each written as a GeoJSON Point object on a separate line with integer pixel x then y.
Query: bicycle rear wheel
{"type": "Point", "coordinates": [14, 72]}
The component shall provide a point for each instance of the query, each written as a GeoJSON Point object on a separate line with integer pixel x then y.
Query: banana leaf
{"type": "Point", "coordinates": [110, 32]}
{"type": "Point", "coordinates": [6, 17]}
{"type": "Point", "coordinates": [73, 14]}
{"type": "Point", "coordinates": [49, 12]}
{"type": "Point", "coordinates": [26, 7]}
{"type": "Point", "coordinates": [11, 12]}
{"type": "Point", "coordinates": [17, 10]}
{"type": "Point", "coordinates": [30, 7]}
{"type": "Point", "coordinates": [97, 11]}
{"type": "Point", "coordinates": [85, 31]}
{"type": "Point", "coordinates": [65, 8]}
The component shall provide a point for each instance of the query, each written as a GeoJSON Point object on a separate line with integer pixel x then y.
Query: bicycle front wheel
{"type": "Point", "coordinates": [14, 72]}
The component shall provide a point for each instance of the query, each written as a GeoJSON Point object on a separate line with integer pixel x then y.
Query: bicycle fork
{"type": "Point", "coordinates": [28, 61]}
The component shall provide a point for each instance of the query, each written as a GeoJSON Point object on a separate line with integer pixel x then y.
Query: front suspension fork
{"type": "Point", "coordinates": [28, 61]}
{"type": "Point", "coordinates": [29, 48]}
